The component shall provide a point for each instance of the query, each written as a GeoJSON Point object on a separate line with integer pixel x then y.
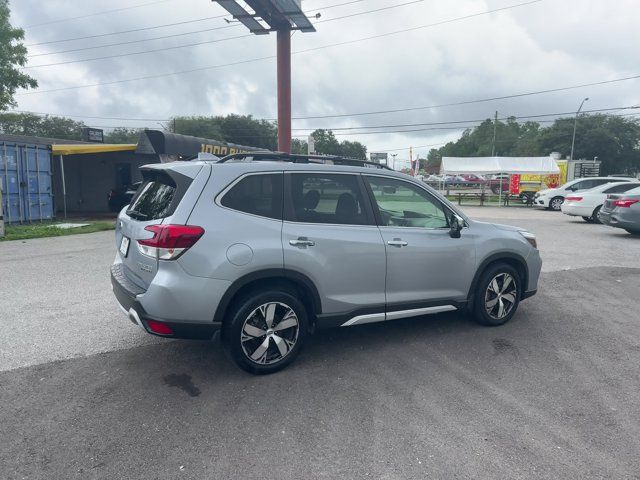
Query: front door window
{"type": "Point", "coordinates": [402, 204]}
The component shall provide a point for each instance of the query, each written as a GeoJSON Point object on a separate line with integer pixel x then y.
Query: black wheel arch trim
{"type": "Point", "coordinates": [496, 257]}
{"type": "Point", "coordinates": [270, 273]}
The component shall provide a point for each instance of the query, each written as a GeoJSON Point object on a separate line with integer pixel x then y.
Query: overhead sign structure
{"type": "Point", "coordinates": [282, 16]}
{"type": "Point", "coordinates": [93, 135]}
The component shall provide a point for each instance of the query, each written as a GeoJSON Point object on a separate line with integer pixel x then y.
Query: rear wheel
{"type": "Point", "coordinates": [556, 203]}
{"type": "Point", "coordinates": [266, 331]}
{"type": "Point", "coordinates": [497, 295]}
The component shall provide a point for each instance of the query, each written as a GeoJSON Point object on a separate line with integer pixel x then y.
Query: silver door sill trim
{"type": "Point", "coordinates": [360, 319]}
{"type": "Point", "coordinates": [380, 317]}
{"type": "Point", "coordinates": [419, 311]}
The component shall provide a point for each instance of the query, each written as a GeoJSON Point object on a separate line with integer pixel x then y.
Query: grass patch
{"type": "Point", "coordinates": [48, 229]}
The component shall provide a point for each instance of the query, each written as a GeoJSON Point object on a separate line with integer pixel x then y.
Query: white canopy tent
{"type": "Point", "coordinates": [492, 165]}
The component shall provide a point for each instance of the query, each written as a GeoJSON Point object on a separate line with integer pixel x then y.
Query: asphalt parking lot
{"type": "Point", "coordinates": [553, 394]}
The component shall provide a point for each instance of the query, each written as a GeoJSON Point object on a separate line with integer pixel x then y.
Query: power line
{"type": "Point", "coordinates": [195, 43]}
{"type": "Point", "coordinates": [241, 62]}
{"type": "Point", "coordinates": [335, 129]}
{"type": "Point", "coordinates": [132, 41]}
{"type": "Point", "coordinates": [469, 102]}
{"type": "Point", "coordinates": [95, 14]}
{"type": "Point", "coordinates": [154, 27]}
{"type": "Point", "coordinates": [125, 31]}
{"type": "Point", "coordinates": [467, 121]}
{"type": "Point", "coordinates": [90, 117]}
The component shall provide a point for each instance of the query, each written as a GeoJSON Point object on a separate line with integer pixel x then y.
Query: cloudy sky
{"type": "Point", "coordinates": [548, 44]}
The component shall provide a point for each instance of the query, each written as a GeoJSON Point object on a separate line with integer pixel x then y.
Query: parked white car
{"type": "Point", "coordinates": [587, 204]}
{"type": "Point", "coordinates": [553, 198]}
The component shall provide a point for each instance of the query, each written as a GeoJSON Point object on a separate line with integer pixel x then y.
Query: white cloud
{"type": "Point", "coordinates": [544, 45]}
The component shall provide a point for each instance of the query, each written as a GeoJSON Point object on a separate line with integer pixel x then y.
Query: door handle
{"type": "Point", "coordinates": [302, 242]}
{"type": "Point", "coordinates": [397, 242]}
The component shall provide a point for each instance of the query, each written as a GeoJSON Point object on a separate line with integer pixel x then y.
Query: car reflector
{"type": "Point", "coordinates": [159, 328]}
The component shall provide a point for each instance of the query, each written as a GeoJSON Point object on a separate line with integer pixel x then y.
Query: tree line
{"type": "Point", "coordinates": [613, 139]}
{"type": "Point", "coordinates": [239, 129]}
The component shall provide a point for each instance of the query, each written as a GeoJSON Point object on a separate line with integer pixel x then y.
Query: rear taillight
{"type": "Point", "coordinates": [625, 202]}
{"type": "Point", "coordinates": [169, 241]}
{"type": "Point", "coordinates": [573, 199]}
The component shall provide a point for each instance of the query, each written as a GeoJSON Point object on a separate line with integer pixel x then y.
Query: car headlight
{"type": "Point", "coordinates": [529, 237]}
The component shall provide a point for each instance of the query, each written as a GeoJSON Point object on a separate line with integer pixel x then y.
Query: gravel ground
{"type": "Point", "coordinates": [552, 394]}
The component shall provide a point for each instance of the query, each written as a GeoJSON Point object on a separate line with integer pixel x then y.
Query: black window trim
{"type": "Point", "coordinates": [436, 200]}
{"type": "Point", "coordinates": [218, 199]}
{"type": "Point", "coordinates": [288, 199]}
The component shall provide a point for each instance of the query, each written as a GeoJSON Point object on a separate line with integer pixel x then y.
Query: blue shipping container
{"type": "Point", "coordinates": [26, 178]}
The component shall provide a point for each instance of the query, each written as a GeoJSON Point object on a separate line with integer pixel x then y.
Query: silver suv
{"type": "Point", "coordinates": [269, 247]}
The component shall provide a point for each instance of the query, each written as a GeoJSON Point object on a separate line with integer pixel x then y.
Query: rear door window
{"type": "Point", "coordinates": [256, 194]}
{"type": "Point", "coordinates": [327, 198]}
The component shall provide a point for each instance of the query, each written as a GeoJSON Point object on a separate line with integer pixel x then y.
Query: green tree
{"type": "Point", "coordinates": [615, 140]}
{"type": "Point", "coordinates": [327, 144]}
{"type": "Point", "coordinates": [13, 54]}
{"type": "Point", "coordinates": [40, 126]}
{"type": "Point", "coordinates": [240, 129]}
{"type": "Point", "coordinates": [122, 135]}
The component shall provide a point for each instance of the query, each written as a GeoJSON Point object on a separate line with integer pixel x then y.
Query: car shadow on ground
{"type": "Point", "coordinates": [191, 364]}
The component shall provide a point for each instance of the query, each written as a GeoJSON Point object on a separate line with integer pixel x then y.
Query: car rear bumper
{"type": "Point", "coordinates": [619, 218]}
{"type": "Point", "coordinates": [126, 293]}
{"type": "Point", "coordinates": [576, 210]}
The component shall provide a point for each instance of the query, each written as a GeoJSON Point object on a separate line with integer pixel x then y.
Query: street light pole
{"type": "Point", "coordinates": [575, 125]}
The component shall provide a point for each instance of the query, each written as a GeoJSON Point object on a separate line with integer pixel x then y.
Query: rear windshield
{"type": "Point", "coordinates": [155, 197]}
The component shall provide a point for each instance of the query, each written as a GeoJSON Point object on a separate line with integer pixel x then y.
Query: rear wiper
{"type": "Point", "coordinates": [136, 213]}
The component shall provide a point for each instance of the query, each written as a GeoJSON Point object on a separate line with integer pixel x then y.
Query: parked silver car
{"type": "Point", "coordinates": [269, 247]}
{"type": "Point", "coordinates": [622, 211]}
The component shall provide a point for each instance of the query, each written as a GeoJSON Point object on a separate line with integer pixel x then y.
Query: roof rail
{"type": "Point", "coordinates": [295, 158]}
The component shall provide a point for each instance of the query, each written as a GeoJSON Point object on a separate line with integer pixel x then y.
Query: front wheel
{"type": "Point", "coordinates": [556, 203]}
{"type": "Point", "coordinates": [594, 215]}
{"type": "Point", "coordinates": [497, 295]}
{"type": "Point", "coordinates": [588, 219]}
{"type": "Point", "coordinates": [266, 331]}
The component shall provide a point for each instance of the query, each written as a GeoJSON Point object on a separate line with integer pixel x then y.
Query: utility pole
{"type": "Point", "coordinates": [283, 17]}
{"type": "Point", "coordinates": [575, 125]}
{"type": "Point", "coordinates": [284, 90]}
{"type": "Point", "coordinates": [495, 130]}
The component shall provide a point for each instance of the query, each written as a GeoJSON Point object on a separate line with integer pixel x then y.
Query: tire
{"type": "Point", "coordinates": [594, 215]}
{"type": "Point", "coordinates": [486, 309]}
{"type": "Point", "coordinates": [633, 232]}
{"type": "Point", "coordinates": [555, 203]}
{"type": "Point", "coordinates": [253, 324]}
{"type": "Point", "coordinates": [588, 219]}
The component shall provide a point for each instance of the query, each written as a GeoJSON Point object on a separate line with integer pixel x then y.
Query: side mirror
{"type": "Point", "coordinates": [456, 224]}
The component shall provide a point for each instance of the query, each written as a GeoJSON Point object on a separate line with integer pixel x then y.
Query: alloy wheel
{"type": "Point", "coordinates": [500, 296]}
{"type": "Point", "coordinates": [556, 203]}
{"type": "Point", "coordinates": [269, 333]}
